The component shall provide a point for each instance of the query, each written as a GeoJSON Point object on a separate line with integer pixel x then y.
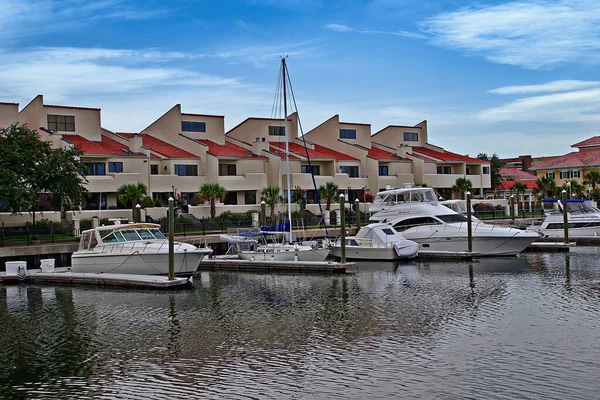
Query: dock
{"type": "Point", "coordinates": [276, 266]}
{"type": "Point", "coordinates": [65, 276]}
{"type": "Point", "coordinates": [549, 247]}
{"type": "Point", "coordinates": [446, 255]}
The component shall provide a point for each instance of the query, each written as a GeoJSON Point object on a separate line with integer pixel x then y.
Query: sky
{"type": "Point", "coordinates": [504, 77]}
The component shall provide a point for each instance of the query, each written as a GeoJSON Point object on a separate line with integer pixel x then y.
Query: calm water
{"type": "Point", "coordinates": [517, 328]}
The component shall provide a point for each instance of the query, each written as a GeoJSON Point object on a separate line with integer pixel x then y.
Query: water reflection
{"type": "Point", "coordinates": [437, 324]}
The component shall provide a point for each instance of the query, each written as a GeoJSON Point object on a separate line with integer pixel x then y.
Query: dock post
{"type": "Point", "coordinates": [469, 225]}
{"type": "Point", "coordinates": [565, 216]}
{"type": "Point", "coordinates": [512, 207]}
{"type": "Point", "coordinates": [357, 209]}
{"type": "Point", "coordinates": [343, 227]}
{"type": "Point", "coordinates": [263, 213]}
{"type": "Point", "coordinates": [171, 239]}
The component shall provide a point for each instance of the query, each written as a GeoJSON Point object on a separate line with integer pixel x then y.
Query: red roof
{"type": "Point", "coordinates": [593, 141]}
{"type": "Point", "coordinates": [281, 152]}
{"type": "Point", "coordinates": [573, 159]}
{"type": "Point", "coordinates": [517, 174]}
{"type": "Point", "coordinates": [507, 185]}
{"type": "Point", "coordinates": [227, 150]}
{"type": "Point", "coordinates": [319, 152]}
{"type": "Point", "coordinates": [161, 147]}
{"type": "Point", "coordinates": [9, 104]}
{"type": "Point", "coordinates": [104, 147]}
{"type": "Point", "coordinates": [446, 155]}
{"type": "Point", "coordinates": [379, 154]}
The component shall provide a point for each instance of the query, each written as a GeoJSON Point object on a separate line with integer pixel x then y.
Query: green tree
{"type": "Point", "coordinates": [495, 165]}
{"type": "Point", "coordinates": [573, 188]}
{"type": "Point", "coordinates": [596, 195]}
{"type": "Point", "coordinates": [271, 196]}
{"type": "Point", "coordinates": [462, 185]}
{"type": "Point", "coordinates": [211, 192]}
{"type": "Point", "coordinates": [30, 166]}
{"type": "Point", "coordinates": [520, 189]}
{"type": "Point", "coordinates": [546, 186]}
{"type": "Point", "coordinates": [132, 194]}
{"type": "Point", "coordinates": [592, 178]}
{"type": "Point", "coordinates": [329, 192]}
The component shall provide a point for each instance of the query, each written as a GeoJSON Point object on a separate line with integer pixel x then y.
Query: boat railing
{"type": "Point", "coordinates": [140, 246]}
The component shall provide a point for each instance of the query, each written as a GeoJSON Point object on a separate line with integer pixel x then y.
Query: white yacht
{"type": "Point", "coordinates": [248, 248]}
{"type": "Point", "coordinates": [418, 215]}
{"type": "Point", "coordinates": [377, 242]}
{"type": "Point", "coordinates": [583, 219]}
{"type": "Point", "coordinates": [136, 248]}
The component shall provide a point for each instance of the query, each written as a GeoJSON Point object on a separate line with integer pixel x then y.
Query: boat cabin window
{"type": "Point", "coordinates": [157, 234]}
{"type": "Point", "coordinates": [110, 239]}
{"type": "Point", "coordinates": [452, 218]}
{"type": "Point", "coordinates": [145, 234]}
{"type": "Point", "coordinates": [412, 222]}
{"type": "Point", "coordinates": [130, 235]}
{"type": "Point", "coordinates": [351, 242]}
{"type": "Point", "coordinates": [388, 231]}
{"type": "Point", "coordinates": [93, 240]}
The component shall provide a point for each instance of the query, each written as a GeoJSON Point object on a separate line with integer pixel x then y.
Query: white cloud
{"type": "Point", "coordinates": [345, 28]}
{"type": "Point", "coordinates": [569, 107]}
{"type": "Point", "coordinates": [550, 87]}
{"type": "Point", "coordinates": [533, 34]}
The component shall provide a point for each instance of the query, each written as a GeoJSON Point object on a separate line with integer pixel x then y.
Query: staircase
{"type": "Point", "coordinates": [191, 217]}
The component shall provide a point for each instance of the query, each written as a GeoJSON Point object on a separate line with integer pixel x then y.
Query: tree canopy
{"type": "Point", "coordinates": [271, 197]}
{"type": "Point", "coordinates": [329, 192]}
{"type": "Point", "coordinates": [211, 192]}
{"type": "Point", "coordinates": [30, 166]}
{"type": "Point", "coordinates": [462, 185]}
{"type": "Point", "coordinates": [495, 165]}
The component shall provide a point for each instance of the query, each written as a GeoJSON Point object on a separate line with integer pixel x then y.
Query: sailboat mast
{"type": "Point", "coordinates": [287, 144]}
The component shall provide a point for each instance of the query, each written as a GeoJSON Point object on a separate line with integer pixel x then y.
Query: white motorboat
{"type": "Point", "coordinates": [248, 248]}
{"type": "Point", "coordinates": [418, 215]}
{"type": "Point", "coordinates": [582, 215]}
{"type": "Point", "coordinates": [377, 241]}
{"type": "Point", "coordinates": [136, 248]}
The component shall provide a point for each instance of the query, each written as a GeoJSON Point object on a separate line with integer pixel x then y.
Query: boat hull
{"type": "Point", "coordinates": [371, 253]}
{"type": "Point", "coordinates": [485, 246]}
{"type": "Point", "coordinates": [137, 263]}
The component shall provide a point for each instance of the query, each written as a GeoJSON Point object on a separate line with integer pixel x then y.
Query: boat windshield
{"type": "Point", "coordinates": [394, 197]}
{"type": "Point", "coordinates": [131, 235]}
{"type": "Point", "coordinates": [582, 207]}
{"type": "Point", "coordinates": [452, 218]}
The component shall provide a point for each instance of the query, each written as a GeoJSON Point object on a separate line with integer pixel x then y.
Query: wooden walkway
{"type": "Point", "coordinates": [64, 276]}
{"type": "Point", "coordinates": [275, 266]}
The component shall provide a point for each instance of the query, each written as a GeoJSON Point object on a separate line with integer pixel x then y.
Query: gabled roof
{"type": "Point", "coordinates": [256, 119]}
{"type": "Point", "coordinates": [383, 155]}
{"type": "Point", "coordinates": [446, 155]}
{"type": "Point", "coordinates": [591, 142]}
{"type": "Point", "coordinates": [573, 159]}
{"type": "Point", "coordinates": [73, 107]}
{"type": "Point", "coordinates": [517, 174]}
{"type": "Point", "coordinates": [507, 185]}
{"type": "Point", "coordinates": [227, 150]}
{"type": "Point", "coordinates": [281, 152]}
{"type": "Point", "coordinates": [160, 146]}
{"type": "Point", "coordinates": [318, 153]}
{"type": "Point", "coordinates": [201, 115]}
{"type": "Point", "coordinates": [106, 146]}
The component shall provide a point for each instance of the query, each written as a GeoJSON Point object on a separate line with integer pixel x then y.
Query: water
{"type": "Point", "coordinates": [516, 328]}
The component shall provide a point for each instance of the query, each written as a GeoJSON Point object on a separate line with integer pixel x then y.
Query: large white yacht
{"type": "Point", "coordinates": [583, 219]}
{"type": "Point", "coordinates": [136, 248]}
{"type": "Point", "coordinates": [418, 215]}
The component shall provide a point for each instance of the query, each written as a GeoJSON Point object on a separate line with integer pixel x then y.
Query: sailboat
{"type": "Point", "coordinates": [285, 251]}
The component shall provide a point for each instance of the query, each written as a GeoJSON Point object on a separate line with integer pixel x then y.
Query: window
{"type": "Point", "coordinates": [486, 170]}
{"type": "Point", "coordinates": [468, 171]}
{"type": "Point", "coordinates": [94, 169]}
{"type": "Point", "coordinates": [276, 130]}
{"type": "Point", "coordinates": [411, 136]}
{"type": "Point", "coordinates": [192, 126]}
{"type": "Point", "coordinates": [250, 197]}
{"type": "Point", "coordinates": [352, 171]}
{"type": "Point", "coordinates": [444, 170]}
{"type": "Point", "coordinates": [564, 175]}
{"type": "Point", "coordinates": [227, 170]}
{"type": "Point", "coordinates": [64, 123]}
{"type": "Point", "coordinates": [550, 175]}
{"type": "Point", "coordinates": [186, 170]}
{"type": "Point", "coordinates": [384, 170]}
{"type": "Point", "coordinates": [412, 222]}
{"type": "Point", "coordinates": [347, 133]}
{"type": "Point", "coordinates": [316, 169]}
{"type": "Point", "coordinates": [153, 169]}
{"type": "Point", "coordinates": [115, 167]}
{"type": "Point", "coordinates": [575, 174]}
{"type": "Point", "coordinates": [230, 198]}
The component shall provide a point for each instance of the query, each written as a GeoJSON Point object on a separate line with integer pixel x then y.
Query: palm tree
{"type": "Point", "coordinates": [211, 192]}
{"type": "Point", "coordinates": [546, 186]}
{"type": "Point", "coordinates": [592, 178]}
{"type": "Point", "coordinates": [329, 192]}
{"type": "Point", "coordinates": [132, 194]}
{"type": "Point", "coordinates": [462, 185]}
{"type": "Point", "coordinates": [271, 196]}
{"type": "Point", "coordinates": [520, 188]}
{"type": "Point", "coordinates": [573, 187]}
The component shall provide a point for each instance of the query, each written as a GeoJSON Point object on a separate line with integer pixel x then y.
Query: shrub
{"type": "Point", "coordinates": [232, 216]}
{"type": "Point", "coordinates": [483, 207]}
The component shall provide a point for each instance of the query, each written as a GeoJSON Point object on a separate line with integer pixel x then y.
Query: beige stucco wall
{"type": "Point", "coordinates": [9, 114]}
{"type": "Point", "coordinates": [393, 135]}
{"type": "Point", "coordinates": [252, 128]}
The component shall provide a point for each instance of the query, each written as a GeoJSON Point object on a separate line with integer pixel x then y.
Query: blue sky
{"type": "Point", "coordinates": [517, 77]}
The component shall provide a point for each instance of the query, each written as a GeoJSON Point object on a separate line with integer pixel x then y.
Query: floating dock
{"type": "Point", "coordinates": [65, 276]}
{"type": "Point", "coordinates": [446, 255]}
{"type": "Point", "coordinates": [549, 247]}
{"type": "Point", "coordinates": [276, 266]}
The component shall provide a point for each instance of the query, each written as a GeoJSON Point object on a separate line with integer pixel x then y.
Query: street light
{"type": "Point", "coordinates": [570, 191]}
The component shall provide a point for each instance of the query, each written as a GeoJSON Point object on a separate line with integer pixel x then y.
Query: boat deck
{"type": "Point", "coordinates": [65, 276]}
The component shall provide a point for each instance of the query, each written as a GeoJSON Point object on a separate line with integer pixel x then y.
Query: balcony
{"type": "Point", "coordinates": [395, 181]}
{"type": "Point", "coordinates": [449, 180]}
{"type": "Point", "coordinates": [165, 183]}
{"type": "Point", "coordinates": [111, 182]}
{"type": "Point", "coordinates": [304, 180]}
{"type": "Point", "coordinates": [249, 181]}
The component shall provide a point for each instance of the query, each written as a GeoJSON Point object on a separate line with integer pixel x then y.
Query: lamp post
{"type": "Point", "coordinates": [570, 190]}
{"type": "Point", "coordinates": [138, 213]}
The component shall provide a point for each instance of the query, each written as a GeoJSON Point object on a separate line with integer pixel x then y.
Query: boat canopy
{"type": "Point", "coordinates": [390, 198]}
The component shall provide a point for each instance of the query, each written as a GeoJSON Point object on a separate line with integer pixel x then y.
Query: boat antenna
{"type": "Point", "coordinates": [317, 195]}
{"type": "Point", "coordinates": [287, 143]}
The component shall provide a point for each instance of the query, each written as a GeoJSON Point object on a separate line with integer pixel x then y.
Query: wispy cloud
{"type": "Point", "coordinates": [345, 28]}
{"type": "Point", "coordinates": [550, 87]}
{"type": "Point", "coordinates": [533, 34]}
